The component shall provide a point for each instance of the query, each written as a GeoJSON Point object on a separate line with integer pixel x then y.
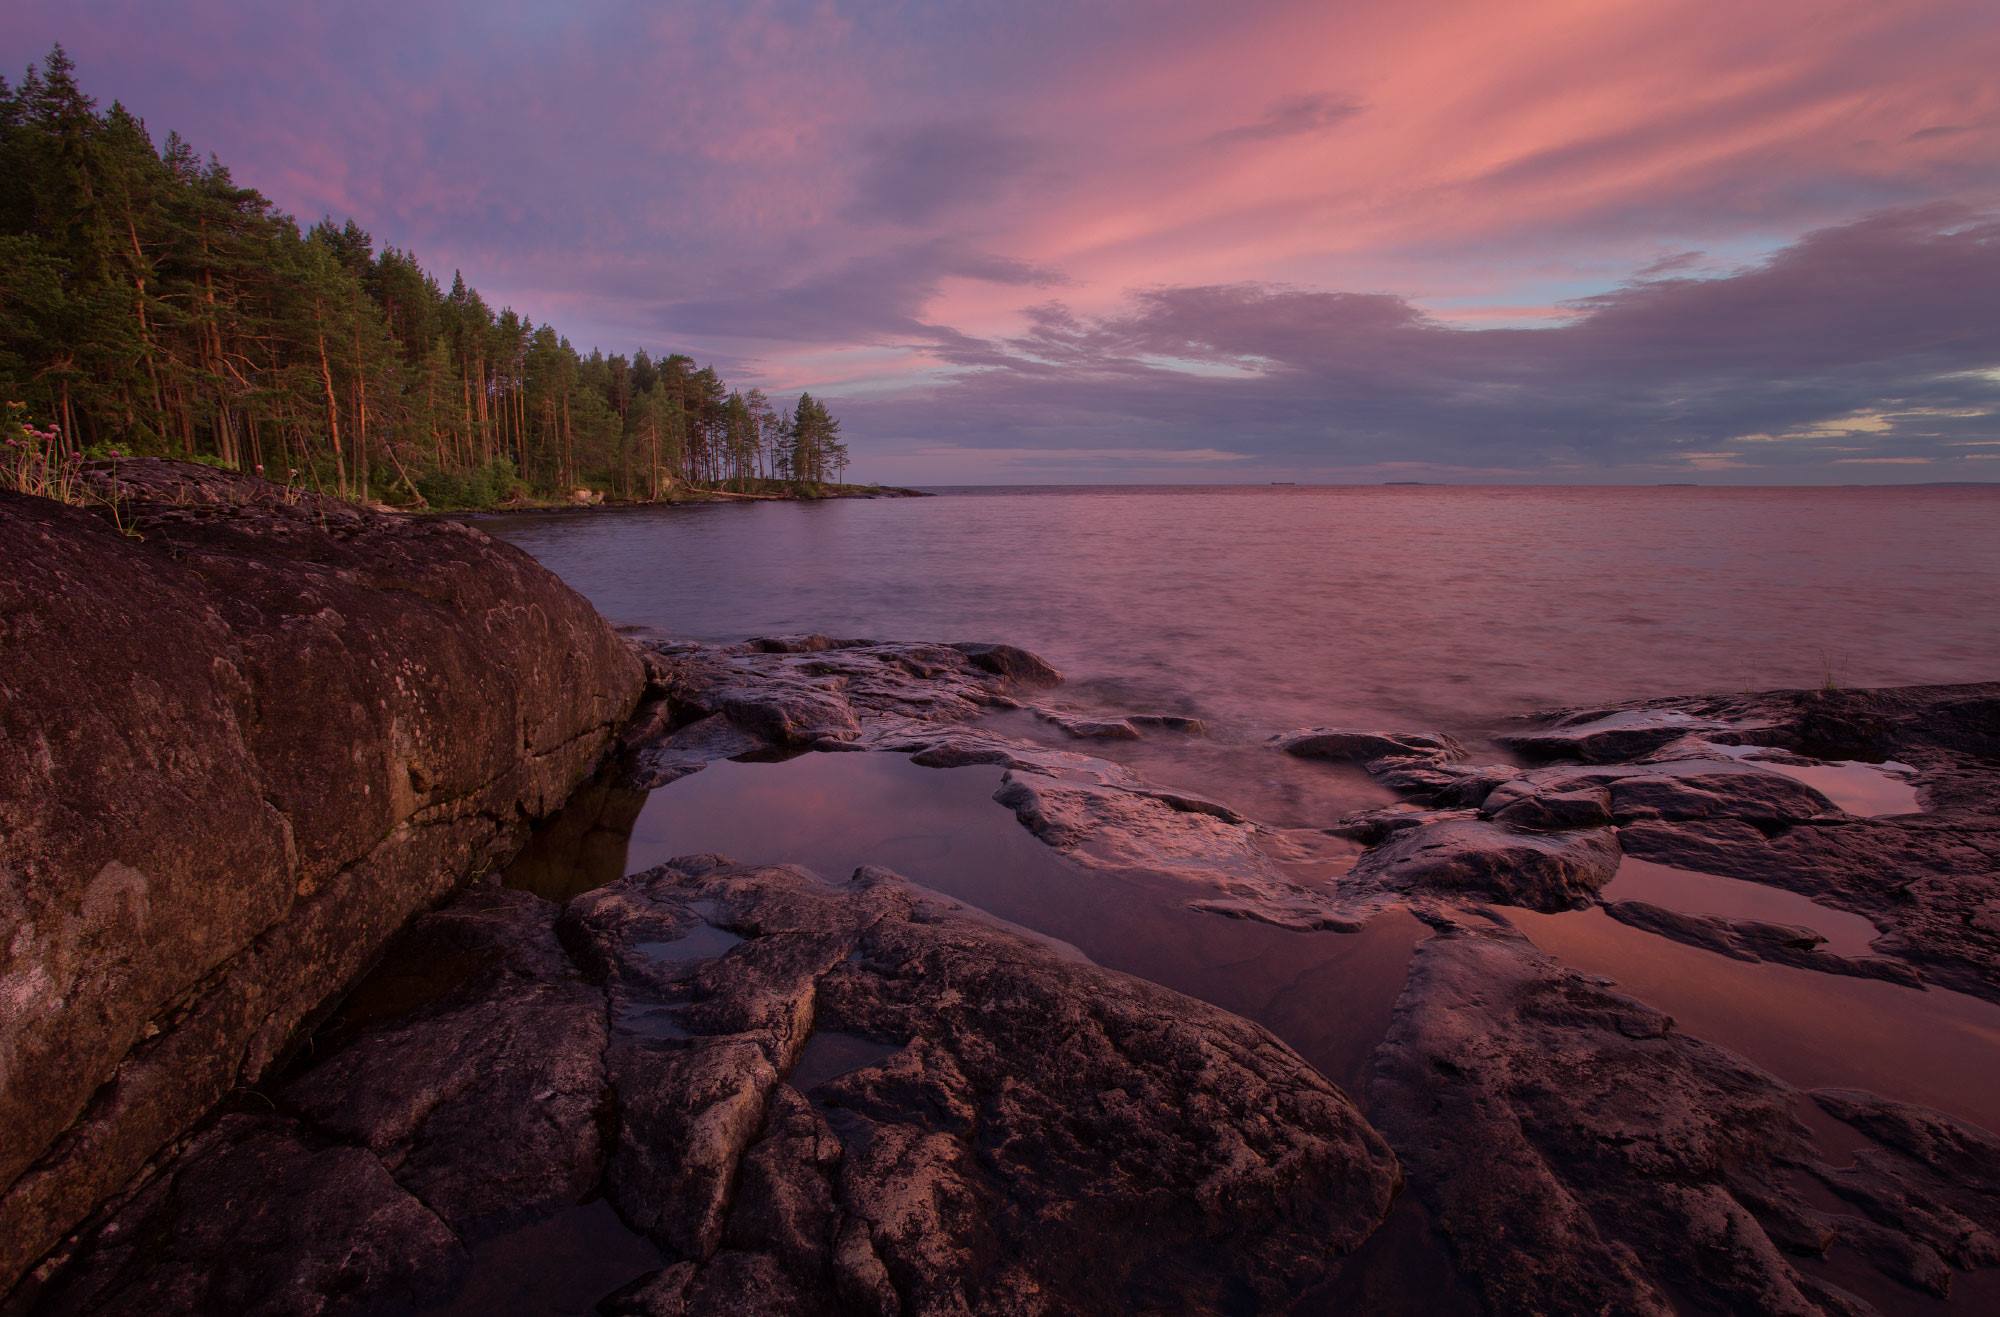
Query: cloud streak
{"type": "Point", "coordinates": [1330, 235]}
{"type": "Point", "coordinates": [1870, 343]}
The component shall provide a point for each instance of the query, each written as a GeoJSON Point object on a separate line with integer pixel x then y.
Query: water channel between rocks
{"type": "Point", "coordinates": [1329, 995]}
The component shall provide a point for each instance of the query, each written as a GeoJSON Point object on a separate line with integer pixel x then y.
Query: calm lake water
{"type": "Point", "coordinates": [1262, 608]}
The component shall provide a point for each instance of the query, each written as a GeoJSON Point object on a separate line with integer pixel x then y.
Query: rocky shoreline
{"type": "Point", "coordinates": [723, 1086]}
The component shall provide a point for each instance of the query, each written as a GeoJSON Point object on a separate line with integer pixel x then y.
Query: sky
{"type": "Point", "coordinates": [1455, 240]}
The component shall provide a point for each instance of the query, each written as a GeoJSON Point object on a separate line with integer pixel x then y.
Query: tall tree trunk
{"type": "Point", "coordinates": [332, 415]}
{"type": "Point", "coordinates": [360, 412]}
{"type": "Point", "coordinates": [145, 329]}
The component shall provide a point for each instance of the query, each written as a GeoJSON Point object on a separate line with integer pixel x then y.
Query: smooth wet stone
{"type": "Point", "coordinates": [1607, 737]}
{"type": "Point", "coordinates": [1351, 746]}
{"type": "Point", "coordinates": [1473, 858]}
{"type": "Point", "coordinates": [1518, 806]}
{"type": "Point", "coordinates": [1090, 729]}
{"type": "Point", "coordinates": [957, 752]}
{"type": "Point", "coordinates": [1114, 824]}
{"type": "Point", "coordinates": [1168, 722]}
{"type": "Point", "coordinates": [1686, 791]}
{"type": "Point", "coordinates": [1440, 783]}
{"type": "Point", "coordinates": [1677, 789]}
{"type": "Point", "coordinates": [1375, 825]}
{"type": "Point", "coordinates": [1010, 662]}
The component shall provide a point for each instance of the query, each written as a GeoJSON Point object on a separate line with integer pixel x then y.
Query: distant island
{"type": "Point", "coordinates": [149, 305]}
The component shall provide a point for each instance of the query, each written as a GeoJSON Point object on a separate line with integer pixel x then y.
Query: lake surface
{"type": "Point", "coordinates": [1263, 608]}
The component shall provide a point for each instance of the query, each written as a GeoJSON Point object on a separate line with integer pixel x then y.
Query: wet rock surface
{"type": "Point", "coordinates": [1745, 939]}
{"type": "Point", "coordinates": [808, 1096]}
{"type": "Point", "coordinates": [1603, 736]}
{"type": "Point", "coordinates": [248, 736]}
{"type": "Point", "coordinates": [1473, 858]}
{"type": "Point", "coordinates": [1931, 880]}
{"type": "Point", "coordinates": [1582, 1156]}
{"type": "Point", "coordinates": [778, 695]}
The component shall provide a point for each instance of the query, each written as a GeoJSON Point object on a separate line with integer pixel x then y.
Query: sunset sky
{"type": "Point", "coordinates": [1583, 241]}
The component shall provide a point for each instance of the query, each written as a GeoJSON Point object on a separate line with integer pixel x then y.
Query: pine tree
{"type": "Point", "coordinates": [149, 302]}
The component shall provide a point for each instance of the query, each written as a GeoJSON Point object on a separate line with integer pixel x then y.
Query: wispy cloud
{"type": "Point", "coordinates": [1291, 116]}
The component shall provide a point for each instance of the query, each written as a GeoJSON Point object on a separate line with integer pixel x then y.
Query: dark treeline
{"type": "Point", "coordinates": [150, 304]}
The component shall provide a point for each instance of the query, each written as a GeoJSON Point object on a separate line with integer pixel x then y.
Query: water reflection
{"type": "Point", "coordinates": [1329, 995]}
{"type": "Point", "coordinates": [1692, 893]}
{"type": "Point", "coordinates": [1864, 790]}
{"type": "Point", "coordinates": [583, 846]}
{"type": "Point", "coordinates": [1932, 1047]}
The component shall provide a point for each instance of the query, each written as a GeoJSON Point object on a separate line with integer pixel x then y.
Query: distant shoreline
{"type": "Point", "coordinates": [695, 499]}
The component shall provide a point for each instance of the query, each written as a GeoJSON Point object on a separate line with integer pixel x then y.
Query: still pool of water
{"type": "Point", "coordinates": [1327, 994]}
{"type": "Point", "coordinates": [1933, 1047]}
{"type": "Point", "coordinates": [1692, 893]}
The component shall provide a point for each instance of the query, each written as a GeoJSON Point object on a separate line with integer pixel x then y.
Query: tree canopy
{"type": "Point", "coordinates": [151, 305]}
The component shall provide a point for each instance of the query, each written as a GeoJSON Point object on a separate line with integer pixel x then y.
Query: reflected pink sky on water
{"type": "Point", "coordinates": [1263, 609]}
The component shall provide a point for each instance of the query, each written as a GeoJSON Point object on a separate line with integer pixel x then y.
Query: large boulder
{"type": "Point", "coordinates": [248, 734]}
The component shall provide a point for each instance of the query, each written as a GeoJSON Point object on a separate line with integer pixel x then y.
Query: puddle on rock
{"type": "Point", "coordinates": [1692, 893]}
{"type": "Point", "coordinates": [1931, 1047]}
{"type": "Point", "coordinates": [1329, 995]}
{"type": "Point", "coordinates": [702, 942]}
{"type": "Point", "coordinates": [831, 1053]}
{"type": "Point", "coordinates": [582, 846]}
{"type": "Point", "coordinates": [564, 1264]}
{"type": "Point", "coordinates": [1862, 789]}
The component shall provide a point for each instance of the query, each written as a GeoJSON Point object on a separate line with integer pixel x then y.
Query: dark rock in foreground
{"type": "Point", "coordinates": [808, 1097]}
{"type": "Point", "coordinates": [244, 745]}
{"type": "Point", "coordinates": [1583, 1157]}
